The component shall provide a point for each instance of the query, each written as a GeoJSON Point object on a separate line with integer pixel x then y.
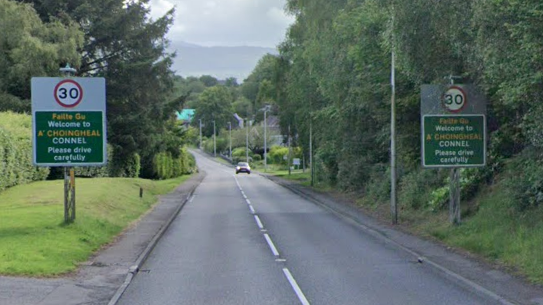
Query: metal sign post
{"type": "Point", "coordinates": [69, 181]}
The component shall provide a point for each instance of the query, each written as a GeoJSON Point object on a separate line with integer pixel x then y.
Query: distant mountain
{"type": "Point", "coordinates": [220, 62]}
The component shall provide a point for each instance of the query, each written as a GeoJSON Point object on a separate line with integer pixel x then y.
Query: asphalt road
{"type": "Point", "coordinates": [242, 239]}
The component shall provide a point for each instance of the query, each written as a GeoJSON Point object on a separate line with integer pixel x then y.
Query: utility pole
{"type": "Point", "coordinates": [200, 133]}
{"type": "Point", "coordinates": [265, 140]}
{"type": "Point", "coordinates": [247, 141]}
{"type": "Point", "coordinates": [69, 174]}
{"type": "Point", "coordinates": [289, 150]}
{"type": "Point", "coordinates": [214, 141]}
{"type": "Point", "coordinates": [393, 175]}
{"type": "Point", "coordinates": [230, 146]}
{"type": "Point", "coordinates": [311, 168]}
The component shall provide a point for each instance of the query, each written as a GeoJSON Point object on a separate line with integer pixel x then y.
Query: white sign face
{"type": "Point", "coordinates": [296, 161]}
{"type": "Point", "coordinates": [454, 99]}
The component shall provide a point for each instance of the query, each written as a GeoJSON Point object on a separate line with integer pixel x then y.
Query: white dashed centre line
{"type": "Point", "coordinates": [287, 273]}
{"type": "Point", "coordinates": [295, 286]}
{"type": "Point", "coordinates": [258, 222]}
{"type": "Point", "coordinates": [272, 246]}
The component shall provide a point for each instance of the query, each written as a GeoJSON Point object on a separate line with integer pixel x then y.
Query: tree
{"type": "Point", "coordinates": [264, 70]}
{"type": "Point", "coordinates": [214, 104]}
{"type": "Point", "coordinates": [209, 81]}
{"type": "Point", "coordinates": [30, 47]}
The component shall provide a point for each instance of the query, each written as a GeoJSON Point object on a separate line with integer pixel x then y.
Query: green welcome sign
{"type": "Point", "coordinates": [453, 141]}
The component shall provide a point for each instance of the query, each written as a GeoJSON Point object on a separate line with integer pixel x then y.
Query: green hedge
{"type": "Point", "coordinates": [166, 167]}
{"type": "Point", "coordinates": [16, 151]}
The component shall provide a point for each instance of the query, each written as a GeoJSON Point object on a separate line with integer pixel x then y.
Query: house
{"type": "Point", "coordinates": [185, 116]}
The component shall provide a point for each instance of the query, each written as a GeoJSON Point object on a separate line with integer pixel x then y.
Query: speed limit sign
{"type": "Point", "coordinates": [68, 93]}
{"type": "Point", "coordinates": [454, 99]}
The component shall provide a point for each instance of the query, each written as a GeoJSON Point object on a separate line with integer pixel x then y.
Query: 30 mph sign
{"type": "Point", "coordinates": [69, 121]}
{"type": "Point", "coordinates": [454, 99]}
{"type": "Point", "coordinates": [68, 93]}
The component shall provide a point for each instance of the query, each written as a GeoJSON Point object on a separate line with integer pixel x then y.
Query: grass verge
{"type": "Point", "coordinates": [34, 241]}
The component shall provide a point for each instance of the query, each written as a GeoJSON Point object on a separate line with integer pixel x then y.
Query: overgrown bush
{"type": "Point", "coordinates": [16, 151]}
{"type": "Point", "coordinates": [526, 182]}
{"type": "Point", "coordinates": [422, 189]}
{"type": "Point", "coordinates": [166, 167]}
{"type": "Point", "coordinates": [377, 189]}
{"type": "Point", "coordinates": [239, 155]}
{"type": "Point", "coordinates": [124, 166]}
{"type": "Point", "coordinates": [277, 155]}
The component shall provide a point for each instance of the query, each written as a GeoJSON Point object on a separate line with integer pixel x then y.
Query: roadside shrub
{"type": "Point", "coordinates": [423, 189]}
{"type": "Point", "coordinates": [377, 189]}
{"type": "Point", "coordinates": [277, 155]}
{"type": "Point", "coordinates": [166, 167]}
{"type": "Point", "coordinates": [16, 151]}
{"type": "Point", "coordinates": [120, 166]}
{"type": "Point", "coordinates": [238, 155]}
{"type": "Point", "coordinates": [526, 183]}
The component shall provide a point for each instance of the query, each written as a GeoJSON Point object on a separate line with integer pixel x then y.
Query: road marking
{"type": "Point", "coordinates": [258, 222]}
{"type": "Point", "coordinates": [272, 246]}
{"type": "Point", "coordinates": [295, 286]}
{"type": "Point", "coordinates": [248, 202]}
{"type": "Point", "coordinates": [252, 209]}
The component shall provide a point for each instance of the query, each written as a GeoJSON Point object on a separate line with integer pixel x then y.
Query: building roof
{"type": "Point", "coordinates": [185, 115]}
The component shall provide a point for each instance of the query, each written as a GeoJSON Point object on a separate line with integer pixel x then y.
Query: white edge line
{"type": "Point", "coordinates": [272, 246]}
{"type": "Point", "coordinates": [258, 222]}
{"type": "Point", "coordinates": [295, 286]}
{"type": "Point", "coordinates": [252, 209]}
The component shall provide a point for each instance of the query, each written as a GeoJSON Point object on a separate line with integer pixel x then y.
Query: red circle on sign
{"type": "Point", "coordinates": [459, 92]}
{"type": "Point", "coordinates": [68, 93]}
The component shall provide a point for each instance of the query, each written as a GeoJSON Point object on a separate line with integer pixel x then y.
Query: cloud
{"type": "Point", "coordinates": [160, 7]}
{"type": "Point", "coordinates": [226, 22]}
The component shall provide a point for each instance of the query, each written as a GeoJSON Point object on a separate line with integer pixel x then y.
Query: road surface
{"type": "Point", "coordinates": [242, 239]}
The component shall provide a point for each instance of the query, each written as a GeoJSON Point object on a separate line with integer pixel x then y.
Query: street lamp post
{"type": "Point", "coordinates": [214, 141]}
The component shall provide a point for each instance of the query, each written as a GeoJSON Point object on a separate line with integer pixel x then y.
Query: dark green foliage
{"type": "Point", "coordinates": [124, 166]}
{"type": "Point", "coordinates": [526, 182]}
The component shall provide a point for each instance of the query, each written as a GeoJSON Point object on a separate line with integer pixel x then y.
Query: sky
{"type": "Point", "coordinates": [261, 23]}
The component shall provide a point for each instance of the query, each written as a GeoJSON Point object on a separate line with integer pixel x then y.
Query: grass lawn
{"type": "Point", "coordinates": [34, 241]}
